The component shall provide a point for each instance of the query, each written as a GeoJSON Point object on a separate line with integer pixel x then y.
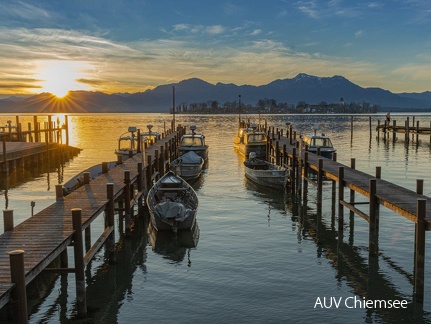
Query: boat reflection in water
{"type": "Point", "coordinates": [174, 246]}
{"type": "Point", "coordinates": [276, 199]}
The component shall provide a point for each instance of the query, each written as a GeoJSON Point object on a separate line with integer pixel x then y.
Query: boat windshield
{"type": "Point", "coordinates": [126, 144]}
{"type": "Point", "coordinates": [256, 138]}
{"type": "Point", "coordinates": [321, 142]}
{"type": "Point", "coordinates": [191, 141]}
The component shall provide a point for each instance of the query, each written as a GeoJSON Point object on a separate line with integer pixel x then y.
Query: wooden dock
{"type": "Point", "coordinates": [288, 151]}
{"type": "Point", "coordinates": [34, 249]}
{"type": "Point", "coordinates": [414, 129]}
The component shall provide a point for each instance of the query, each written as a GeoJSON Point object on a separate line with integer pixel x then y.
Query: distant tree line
{"type": "Point", "coordinates": [270, 106]}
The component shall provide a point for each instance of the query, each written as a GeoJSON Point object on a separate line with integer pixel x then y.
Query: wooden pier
{"type": "Point", "coordinates": [288, 151]}
{"type": "Point", "coordinates": [28, 149]}
{"type": "Point", "coordinates": [414, 129]}
{"type": "Point", "coordinates": [26, 249]}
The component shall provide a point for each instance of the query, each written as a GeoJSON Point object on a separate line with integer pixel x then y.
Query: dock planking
{"type": "Point", "coordinates": [47, 234]}
{"type": "Point", "coordinates": [394, 197]}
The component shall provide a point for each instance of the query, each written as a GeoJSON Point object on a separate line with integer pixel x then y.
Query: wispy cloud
{"type": "Point", "coordinates": [23, 10]}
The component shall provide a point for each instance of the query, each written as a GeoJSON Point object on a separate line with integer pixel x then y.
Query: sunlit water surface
{"type": "Point", "coordinates": [258, 258]}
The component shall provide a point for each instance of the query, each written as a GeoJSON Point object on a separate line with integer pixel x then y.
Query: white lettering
{"type": "Point", "coordinates": [335, 301]}
{"type": "Point", "coordinates": [318, 302]}
{"type": "Point", "coordinates": [345, 302]}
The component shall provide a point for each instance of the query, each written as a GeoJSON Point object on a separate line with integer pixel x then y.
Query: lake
{"type": "Point", "coordinates": [260, 256]}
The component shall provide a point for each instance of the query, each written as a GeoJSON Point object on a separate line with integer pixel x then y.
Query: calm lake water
{"type": "Point", "coordinates": [260, 256]}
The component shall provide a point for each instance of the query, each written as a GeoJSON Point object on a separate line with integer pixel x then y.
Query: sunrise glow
{"type": "Point", "coordinates": [60, 77]}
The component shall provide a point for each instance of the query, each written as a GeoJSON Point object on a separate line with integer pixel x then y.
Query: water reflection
{"type": "Point", "coordinates": [362, 274]}
{"type": "Point", "coordinates": [174, 246]}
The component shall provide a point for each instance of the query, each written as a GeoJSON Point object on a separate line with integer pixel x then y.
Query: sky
{"type": "Point", "coordinates": [134, 45]}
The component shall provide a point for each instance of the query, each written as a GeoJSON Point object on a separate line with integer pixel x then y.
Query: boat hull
{"type": "Point", "coordinates": [187, 171]}
{"type": "Point", "coordinates": [246, 149]}
{"type": "Point", "coordinates": [164, 225]}
{"type": "Point", "coordinates": [172, 204]}
{"type": "Point", "coordinates": [275, 177]}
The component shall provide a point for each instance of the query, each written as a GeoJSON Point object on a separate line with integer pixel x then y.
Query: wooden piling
{"type": "Point", "coordinates": [378, 172]}
{"type": "Point", "coordinates": [58, 191]}
{"type": "Point", "coordinates": [352, 192]}
{"type": "Point", "coordinates": [127, 206]}
{"type": "Point", "coordinates": [320, 182]}
{"type": "Point", "coordinates": [81, 299]}
{"type": "Point", "coordinates": [374, 219]}
{"type": "Point", "coordinates": [19, 293]}
{"type": "Point", "coordinates": [109, 211]}
{"type": "Point", "coordinates": [419, 270]}
{"type": "Point", "coordinates": [8, 220]}
{"type": "Point", "coordinates": [420, 186]}
{"type": "Point", "coordinates": [340, 199]}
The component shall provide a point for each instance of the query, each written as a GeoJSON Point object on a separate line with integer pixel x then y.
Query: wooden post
{"type": "Point", "coordinates": [408, 129]}
{"type": "Point", "coordinates": [8, 220]}
{"type": "Point", "coordinates": [419, 269]}
{"type": "Point", "coordinates": [140, 187]}
{"type": "Point", "coordinates": [66, 126]}
{"type": "Point", "coordinates": [58, 191]}
{"type": "Point", "coordinates": [378, 129]}
{"type": "Point", "coordinates": [305, 174]}
{"type": "Point", "coordinates": [352, 192]}
{"type": "Point", "coordinates": [19, 293]}
{"type": "Point", "coordinates": [420, 186]}
{"type": "Point", "coordinates": [149, 172]}
{"type": "Point", "coordinates": [378, 172]}
{"type": "Point", "coordinates": [394, 131]}
{"type": "Point", "coordinates": [371, 131]}
{"type": "Point", "coordinates": [277, 153]}
{"type": "Point", "coordinates": [36, 129]}
{"type": "Point", "coordinates": [340, 199]}
{"type": "Point", "coordinates": [351, 129]}
{"type": "Point", "coordinates": [139, 148]}
{"type": "Point", "coordinates": [374, 219]}
{"type": "Point", "coordinates": [417, 132]}
{"type": "Point", "coordinates": [294, 172]}
{"type": "Point", "coordinates": [319, 182]}
{"type": "Point", "coordinates": [86, 177]}
{"type": "Point", "coordinates": [50, 129]}
{"type": "Point", "coordinates": [127, 198]}
{"type": "Point", "coordinates": [110, 222]}
{"type": "Point", "coordinates": [81, 299]}
{"type": "Point", "coordinates": [284, 160]}
{"type": "Point", "coordinates": [104, 167]}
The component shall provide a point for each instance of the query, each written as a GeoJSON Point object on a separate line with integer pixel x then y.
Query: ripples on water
{"type": "Point", "coordinates": [257, 257]}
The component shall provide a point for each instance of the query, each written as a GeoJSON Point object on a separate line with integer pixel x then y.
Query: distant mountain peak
{"type": "Point", "coordinates": [305, 76]}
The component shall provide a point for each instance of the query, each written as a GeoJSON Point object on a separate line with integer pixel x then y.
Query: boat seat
{"type": "Point", "coordinates": [170, 195]}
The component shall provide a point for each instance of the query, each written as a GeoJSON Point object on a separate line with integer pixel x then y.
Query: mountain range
{"type": "Point", "coordinates": [303, 87]}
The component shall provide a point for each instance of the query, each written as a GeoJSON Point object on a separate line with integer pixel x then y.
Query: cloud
{"type": "Point", "coordinates": [359, 33]}
{"type": "Point", "coordinates": [23, 10]}
{"type": "Point", "coordinates": [256, 32]}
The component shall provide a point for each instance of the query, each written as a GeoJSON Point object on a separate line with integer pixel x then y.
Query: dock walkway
{"type": "Point", "coordinates": [47, 234]}
{"type": "Point", "coordinates": [397, 198]}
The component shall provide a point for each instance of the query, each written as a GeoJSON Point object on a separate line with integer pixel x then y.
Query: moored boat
{"type": "Point", "coordinates": [128, 142]}
{"type": "Point", "coordinates": [320, 143]}
{"type": "Point", "coordinates": [249, 139]}
{"type": "Point", "coordinates": [194, 142]}
{"type": "Point", "coordinates": [265, 173]}
{"type": "Point", "coordinates": [188, 166]}
{"type": "Point", "coordinates": [172, 204]}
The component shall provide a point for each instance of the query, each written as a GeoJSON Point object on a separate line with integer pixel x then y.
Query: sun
{"type": "Point", "coordinates": [60, 77]}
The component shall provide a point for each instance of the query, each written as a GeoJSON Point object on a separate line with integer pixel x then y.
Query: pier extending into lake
{"type": "Point", "coordinates": [288, 151]}
{"type": "Point", "coordinates": [31, 247]}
